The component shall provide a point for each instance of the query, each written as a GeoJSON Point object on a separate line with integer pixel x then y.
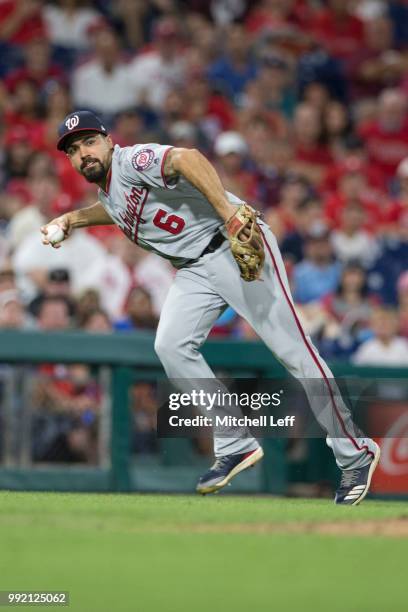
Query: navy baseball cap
{"type": "Point", "coordinates": [79, 121]}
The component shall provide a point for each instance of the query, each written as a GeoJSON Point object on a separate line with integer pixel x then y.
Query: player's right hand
{"type": "Point", "coordinates": [64, 223]}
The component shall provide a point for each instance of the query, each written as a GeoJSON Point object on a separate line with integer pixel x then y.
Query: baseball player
{"type": "Point", "coordinates": [172, 202]}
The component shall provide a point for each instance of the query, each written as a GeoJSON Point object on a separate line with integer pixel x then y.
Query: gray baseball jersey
{"type": "Point", "coordinates": [171, 218]}
{"type": "Point", "coordinates": [176, 221]}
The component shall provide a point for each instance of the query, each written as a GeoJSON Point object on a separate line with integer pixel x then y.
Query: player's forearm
{"type": "Point", "coordinates": [92, 215]}
{"type": "Point", "coordinates": [199, 172]}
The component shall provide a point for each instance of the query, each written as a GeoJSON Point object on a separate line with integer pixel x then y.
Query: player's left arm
{"type": "Point", "coordinates": [196, 168]}
{"type": "Point", "coordinates": [241, 223]}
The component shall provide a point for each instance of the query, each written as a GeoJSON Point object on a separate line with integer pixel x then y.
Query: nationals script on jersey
{"type": "Point", "coordinates": [172, 218]}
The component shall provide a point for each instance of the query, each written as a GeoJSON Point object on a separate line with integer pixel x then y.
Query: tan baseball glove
{"type": "Point", "coordinates": [246, 242]}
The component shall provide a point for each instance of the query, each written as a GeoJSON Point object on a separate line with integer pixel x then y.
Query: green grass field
{"type": "Point", "coordinates": [223, 553]}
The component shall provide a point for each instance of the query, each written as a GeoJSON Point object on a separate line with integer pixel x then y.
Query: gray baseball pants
{"type": "Point", "coordinates": [198, 296]}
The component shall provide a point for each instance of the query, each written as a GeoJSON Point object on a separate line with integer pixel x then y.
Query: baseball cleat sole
{"type": "Point", "coordinates": [355, 483]}
{"type": "Point", "coordinates": [249, 461]}
{"type": "Point", "coordinates": [371, 471]}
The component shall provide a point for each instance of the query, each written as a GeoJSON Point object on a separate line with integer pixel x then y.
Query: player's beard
{"type": "Point", "coordinates": [95, 173]}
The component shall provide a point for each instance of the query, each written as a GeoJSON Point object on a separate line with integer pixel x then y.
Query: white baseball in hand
{"type": "Point", "coordinates": [55, 234]}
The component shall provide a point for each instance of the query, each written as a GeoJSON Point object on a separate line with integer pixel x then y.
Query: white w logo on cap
{"type": "Point", "coordinates": [72, 122]}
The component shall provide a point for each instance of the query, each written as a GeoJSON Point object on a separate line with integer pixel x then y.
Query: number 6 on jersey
{"type": "Point", "coordinates": [172, 224]}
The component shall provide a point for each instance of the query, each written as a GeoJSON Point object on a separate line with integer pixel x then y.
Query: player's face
{"type": "Point", "coordinates": [91, 156]}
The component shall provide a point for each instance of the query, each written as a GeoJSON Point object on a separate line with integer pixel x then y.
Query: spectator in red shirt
{"type": "Point", "coordinates": [18, 152]}
{"type": "Point", "coordinates": [56, 104]}
{"type": "Point", "coordinates": [395, 216]}
{"type": "Point", "coordinates": [337, 126]}
{"type": "Point", "coordinates": [387, 137]}
{"type": "Point", "coordinates": [338, 30]}
{"type": "Point", "coordinates": [37, 68]}
{"type": "Point", "coordinates": [66, 404]}
{"type": "Point", "coordinates": [311, 155]}
{"type": "Point", "coordinates": [270, 15]}
{"type": "Point", "coordinates": [295, 199]}
{"type": "Point", "coordinates": [352, 154]}
{"type": "Point", "coordinates": [43, 135]}
{"type": "Point", "coordinates": [21, 21]}
{"type": "Point", "coordinates": [376, 64]}
{"type": "Point", "coordinates": [285, 20]}
{"type": "Point", "coordinates": [352, 189]}
{"type": "Point", "coordinates": [272, 159]}
{"type": "Point", "coordinates": [24, 107]}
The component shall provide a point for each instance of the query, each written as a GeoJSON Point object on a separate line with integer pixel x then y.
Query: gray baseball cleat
{"type": "Point", "coordinates": [354, 484]}
{"type": "Point", "coordinates": [224, 470]}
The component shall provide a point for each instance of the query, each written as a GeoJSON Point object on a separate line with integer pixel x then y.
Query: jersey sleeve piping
{"type": "Point", "coordinates": [165, 183]}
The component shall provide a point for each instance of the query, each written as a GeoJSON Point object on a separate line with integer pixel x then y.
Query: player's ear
{"type": "Point", "coordinates": [70, 159]}
{"type": "Point", "coordinates": [109, 141]}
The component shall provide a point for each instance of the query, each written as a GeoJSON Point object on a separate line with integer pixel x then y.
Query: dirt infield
{"type": "Point", "coordinates": [395, 528]}
{"type": "Point", "coordinates": [392, 528]}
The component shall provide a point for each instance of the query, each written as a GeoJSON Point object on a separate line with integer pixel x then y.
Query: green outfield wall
{"type": "Point", "coordinates": [131, 357]}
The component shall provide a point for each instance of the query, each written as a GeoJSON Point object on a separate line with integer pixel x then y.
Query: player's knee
{"type": "Point", "coordinates": [160, 347]}
{"type": "Point", "coordinates": [166, 348]}
{"type": "Point", "coordinates": [171, 350]}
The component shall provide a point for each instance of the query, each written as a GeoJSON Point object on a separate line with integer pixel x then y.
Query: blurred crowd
{"type": "Point", "coordinates": [302, 106]}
